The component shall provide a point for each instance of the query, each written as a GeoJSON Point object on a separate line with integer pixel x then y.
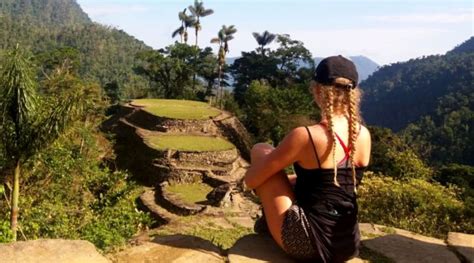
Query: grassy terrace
{"type": "Point", "coordinates": [190, 193]}
{"type": "Point", "coordinates": [188, 143]}
{"type": "Point", "coordinates": [178, 109]}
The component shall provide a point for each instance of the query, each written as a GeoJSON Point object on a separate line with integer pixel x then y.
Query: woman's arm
{"type": "Point", "coordinates": [287, 152]}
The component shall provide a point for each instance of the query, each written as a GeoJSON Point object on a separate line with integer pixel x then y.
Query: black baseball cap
{"type": "Point", "coordinates": [334, 67]}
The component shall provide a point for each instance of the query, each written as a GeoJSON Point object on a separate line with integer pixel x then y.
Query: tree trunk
{"type": "Point", "coordinates": [197, 37]}
{"type": "Point", "coordinates": [219, 91]}
{"type": "Point", "coordinates": [16, 193]}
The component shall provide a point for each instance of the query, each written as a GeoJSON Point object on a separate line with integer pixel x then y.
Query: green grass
{"type": "Point", "coordinates": [189, 143]}
{"type": "Point", "coordinates": [190, 193]}
{"type": "Point", "coordinates": [178, 109]}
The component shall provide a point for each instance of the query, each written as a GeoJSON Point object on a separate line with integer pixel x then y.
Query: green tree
{"type": "Point", "coordinates": [171, 69]}
{"type": "Point", "coordinates": [290, 64]}
{"type": "Point", "coordinates": [25, 128]}
{"type": "Point", "coordinates": [264, 39]}
{"type": "Point", "coordinates": [199, 11]}
{"type": "Point", "coordinates": [270, 113]}
{"type": "Point", "coordinates": [295, 60]}
{"type": "Point", "coordinates": [250, 67]}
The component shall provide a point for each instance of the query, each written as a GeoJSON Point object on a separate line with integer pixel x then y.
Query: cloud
{"type": "Point", "coordinates": [458, 16]}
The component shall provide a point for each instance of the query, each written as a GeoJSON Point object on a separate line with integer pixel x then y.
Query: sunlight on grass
{"type": "Point", "coordinates": [190, 193]}
{"type": "Point", "coordinates": [178, 109]}
{"type": "Point", "coordinates": [189, 143]}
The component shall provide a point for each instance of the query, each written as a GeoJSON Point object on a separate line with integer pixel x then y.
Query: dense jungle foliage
{"type": "Point", "coordinates": [422, 162]}
{"type": "Point", "coordinates": [56, 30]}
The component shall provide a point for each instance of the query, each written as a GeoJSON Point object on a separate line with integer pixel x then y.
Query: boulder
{"type": "Point", "coordinates": [261, 248]}
{"type": "Point", "coordinates": [257, 249]}
{"type": "Point", "coordinates": [463, 244]}
{"type": "Point", "coordinates": [175, 248]}
{"type": "Point", "coordinates": [51, 251]}
{"type": "Point", "coordinates": [403, 246]}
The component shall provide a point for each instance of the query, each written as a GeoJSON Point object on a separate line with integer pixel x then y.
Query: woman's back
{"type": "Point", "coordinates": [317, 220]}
{"type": "Point", "coordinates": [331, 211]}
{"type": "Point", "coordinates": [323, 145]}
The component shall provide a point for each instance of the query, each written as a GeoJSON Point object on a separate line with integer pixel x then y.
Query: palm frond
{"type": "Point", "coordinates": [256, 36]}
{"type": "Point", "coordinates": [19, 97]}
{"type": "Point", "coordinates": [207, 12]}
{"type": "Point", "coordinates": [193, 10]}
{"type": "Point", "coordinates": [182, 15]}
{"type": "Point", "coordinates": [190, 21]}
{"type": "Point", "coordinates": [179, 31]}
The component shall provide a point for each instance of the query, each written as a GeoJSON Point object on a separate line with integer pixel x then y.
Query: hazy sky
{"type": "Point", "coordinates": [386, 31]}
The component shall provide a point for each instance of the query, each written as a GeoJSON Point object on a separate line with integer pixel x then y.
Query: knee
{"type": "Point", "coordinates": [259, 150]}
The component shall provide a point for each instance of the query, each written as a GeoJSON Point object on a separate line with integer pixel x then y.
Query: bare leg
{"type": "Point", "coordinates": [276, 194]}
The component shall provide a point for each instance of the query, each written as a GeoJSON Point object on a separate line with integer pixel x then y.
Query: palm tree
{"type": "Point", "coordinates": [224, 35]}
{"type": "Point", "coordinates": [24, 129]}
{"type": "Point", "coordinates": [266, 38]}
{"type": "Point", "coordinates": [199, 11]}
{"type": "Point", "coordinates": [186, 22]}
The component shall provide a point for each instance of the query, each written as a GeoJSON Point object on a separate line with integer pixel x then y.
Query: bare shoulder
{"type": "Point", "coordinates": [364, 133]}
{"type": "Point", "coordinates": [298, 134]}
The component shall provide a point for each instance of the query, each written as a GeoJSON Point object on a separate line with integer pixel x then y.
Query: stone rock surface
{"type": "Point", "coordinates": [175, 248]}
{"type": "Point", "coordinates": [261, 248]}
{"type": "Point", "coordinates": [403, 246]}
{"type": "Point", "coordinates": [51, 251]}
{"type": "Point", "coordinates": [463, 243]}
{"type": "Point", "coordinates": [256, 249]}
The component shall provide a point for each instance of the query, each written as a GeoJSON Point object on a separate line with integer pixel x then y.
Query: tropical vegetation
{"type": "Point", "coordinates": [60, 73]}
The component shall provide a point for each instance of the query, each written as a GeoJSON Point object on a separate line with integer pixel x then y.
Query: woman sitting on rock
{"type": "Point", "coordinates": [313, 217]}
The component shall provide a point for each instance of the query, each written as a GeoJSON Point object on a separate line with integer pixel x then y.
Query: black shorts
{"type": "Point", "coordinates": [296, 235]}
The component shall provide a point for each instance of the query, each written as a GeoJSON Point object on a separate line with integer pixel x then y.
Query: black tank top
{"type": "Point", "coordinates": [331, 210]}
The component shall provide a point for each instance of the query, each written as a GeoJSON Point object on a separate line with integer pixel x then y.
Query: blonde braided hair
{"type": "Point", "coordinates": [353, 132]}
{"type": "Point", "coordinates": [329, 98]}
{"type": "Point", "coordinates": [342, 101]}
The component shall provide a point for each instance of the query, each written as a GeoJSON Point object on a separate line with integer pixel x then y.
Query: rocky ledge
{"type": "Point", "coordinates": [380, 244]}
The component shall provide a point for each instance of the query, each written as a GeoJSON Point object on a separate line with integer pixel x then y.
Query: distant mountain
{"type": "Point", "coordinates": [45, 12]}
{"type": "Point", "coordinates": [401, 93]}
{"type": "Point", "coordinates": [105, 54]}
{"type": "Point", "coordinates": [365, 66]}
{"type": "Point", "coordinates": [430, 102]}
{"type": "Point", "coordinates": [466, 46]}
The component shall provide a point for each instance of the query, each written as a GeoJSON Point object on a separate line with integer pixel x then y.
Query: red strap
{"type": "Point", "coordinates": [347, 150]}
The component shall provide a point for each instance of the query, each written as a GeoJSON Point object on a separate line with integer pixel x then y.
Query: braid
{"type": "Point", "coordinates": [330, 111]}
{"type": "Point", "coordinates": [353, 119]}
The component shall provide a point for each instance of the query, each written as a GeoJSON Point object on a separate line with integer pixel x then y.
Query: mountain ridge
{"type": "Point", "coordinates": [105, 54]}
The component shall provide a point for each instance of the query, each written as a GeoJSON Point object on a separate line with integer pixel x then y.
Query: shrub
{"type": "Point", "coordinates": [413, 204]}
{"type": "Point", "coordinates": [393, 157]}
{"type": "Point", "coordinates": [67, 193]}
